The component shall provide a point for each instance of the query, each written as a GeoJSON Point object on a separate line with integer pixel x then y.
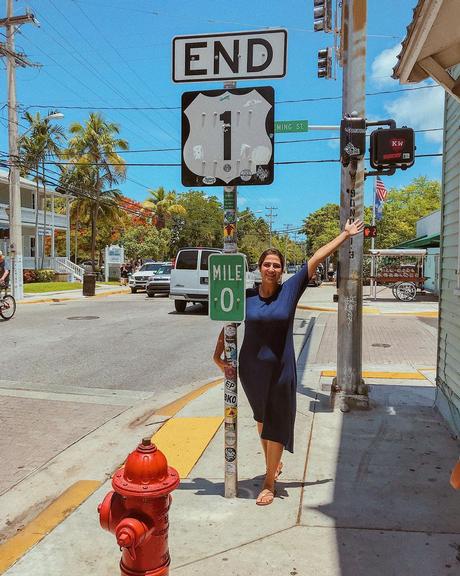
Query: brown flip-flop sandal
{"type": "Point", "coordinates": [279, 471]}
{"type": "Point", "coordinates": [268, 494]}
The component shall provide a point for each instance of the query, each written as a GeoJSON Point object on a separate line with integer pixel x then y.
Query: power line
{"type": "Point", "coordinates": [144, 108]}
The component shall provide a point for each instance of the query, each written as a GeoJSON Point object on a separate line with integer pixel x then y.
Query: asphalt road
{"type": "Point", "coordinates": [127, 342]}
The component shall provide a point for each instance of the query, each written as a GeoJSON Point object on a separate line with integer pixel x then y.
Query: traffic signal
{"type": "Point", "coordinates": [352, 138]}
{"type": "Point", "coordinates": [322, 15]}
{"type": "Point", "coordinates": [392, 148]}
{"type": "Point", "coordinates": [4, 233]}
{"type": "Point", "coordinates": [370, 231]}
{"type": "Point", "coordinates": [325, 63]}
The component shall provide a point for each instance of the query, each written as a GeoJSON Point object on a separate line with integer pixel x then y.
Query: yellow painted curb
{"type": "Point", "coordinates": [174, 407]}
{"type": "Point", "coordinates": [183, 440]}
{"type": "Point", "coordinates": [430, 314]}
{"type": "Point", "coordinates": [45, 522]}
{"type": "Point", "coordinates": [63, 299]}
{"type": "Point", "coordinates": [303, 307]}
{"type": "Point", "coordinates": [383, 375]}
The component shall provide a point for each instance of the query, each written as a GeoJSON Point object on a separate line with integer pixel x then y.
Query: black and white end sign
{"type": "Point", "coordinates": [231, 56]}
{"type": "Point", "coordinates": [228, 137]}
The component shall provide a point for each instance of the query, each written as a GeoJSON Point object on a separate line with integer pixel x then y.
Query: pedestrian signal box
{"type": "Point", "coordinates": [392, 148]}
{"type": "Point", "coordinates": [352, 139]}
{"type": "Point", "coordinates": [370, 231]}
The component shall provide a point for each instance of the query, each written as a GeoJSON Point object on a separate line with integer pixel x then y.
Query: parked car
{"type": "Point", "coordinates": [139, 280]}
{"type": "Point", "coordinates": [160, 282]}
{"type": "Point", "coordinates": [189, 277]}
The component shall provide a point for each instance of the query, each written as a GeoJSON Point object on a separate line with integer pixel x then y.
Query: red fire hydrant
{"type": "Point", "coordinates": [137, 511]}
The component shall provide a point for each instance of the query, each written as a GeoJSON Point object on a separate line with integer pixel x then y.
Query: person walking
{"type": "Point", "coordinates": [267, 366]}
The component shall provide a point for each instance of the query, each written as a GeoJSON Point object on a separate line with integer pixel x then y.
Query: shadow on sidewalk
{"type": "Point", "coordinates": [248, 489]}
{"type": "Point", "coordinates": [391, 500]}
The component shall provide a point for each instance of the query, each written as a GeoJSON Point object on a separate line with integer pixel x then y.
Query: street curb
{"type": "Point", "coordinates": [129, 419]}
{"type": "Point", "coordinates": [374, 311]}
{"type": "Point", "coordinates": [59, 299]}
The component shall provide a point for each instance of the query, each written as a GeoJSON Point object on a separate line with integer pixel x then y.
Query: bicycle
{"type": "Point", "coordinates": [7, 304]}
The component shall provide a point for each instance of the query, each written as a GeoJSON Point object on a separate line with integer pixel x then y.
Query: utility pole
{"type": "Point", "coordinates": [14, 59]}
{"type": "Point", "coordinates": [286, 232]}
{"type": "Point", "coordinates": [270, 217]}
{"type": "Point", "coordinates": [353, 391]}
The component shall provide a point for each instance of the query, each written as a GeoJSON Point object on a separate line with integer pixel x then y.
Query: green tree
{"type": "Point", "coordinates": [164, 205]}
{"type": "Point", "coordinates": [403, 207]}
{"type": "Point", "coordinates": [96, 167]}
{"type": "Point", "coordinates": [253, 235]}
{"type": "Point", "coordinates": [321, 227]}
{"type": "Point", "coordinates": [201, 226]}
{"type": "Point", "coordinates": [42, 142]}
{"type": "Point", "coordinates": [146, 242]}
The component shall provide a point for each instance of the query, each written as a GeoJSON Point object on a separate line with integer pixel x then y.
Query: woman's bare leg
{"type": "Point", "coordinates": [274, 453]}
{"type": "Point", "coordinates": [260, 425]}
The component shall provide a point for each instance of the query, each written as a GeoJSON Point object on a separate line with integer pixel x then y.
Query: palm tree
{"type": "Point", "coordinates": [40, 143]}
{"type": "Point", "coordinates": [164, 205]}
{"type": "Point", "coordinates": [96, 166]}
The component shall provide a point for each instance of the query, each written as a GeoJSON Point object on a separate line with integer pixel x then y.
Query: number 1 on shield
{"type": "Point", "coordinates": [226, 118]}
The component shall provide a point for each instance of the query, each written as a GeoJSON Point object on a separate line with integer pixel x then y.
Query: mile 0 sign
{"type": "Point", "coordinates": [228, 137]}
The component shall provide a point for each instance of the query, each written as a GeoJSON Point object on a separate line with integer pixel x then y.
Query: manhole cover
{"type": "Point", "coordinates": [380, 345]}
{"type": "Point", "coordinates": [82, 317]}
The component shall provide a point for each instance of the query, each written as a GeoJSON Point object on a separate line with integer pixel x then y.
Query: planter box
{"type": "Point", "coordinates": [62, 277]}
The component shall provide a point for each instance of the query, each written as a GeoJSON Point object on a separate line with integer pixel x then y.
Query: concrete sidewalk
{"type": "Point", "coordinates": [321, 299]}
{"type": "Point", "coordinates": [61, 295]}
{"type": "Point", "coordinates": [366, 493]}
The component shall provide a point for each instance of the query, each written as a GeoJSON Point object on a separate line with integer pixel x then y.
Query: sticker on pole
{"type": "Point", "coordinates": [227, 287]}
{"type": "Point", "coordinates": [228, 137]}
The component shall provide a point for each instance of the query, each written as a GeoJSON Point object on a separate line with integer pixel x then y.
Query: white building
{"type": "Point", "coordinates": [54, 222]}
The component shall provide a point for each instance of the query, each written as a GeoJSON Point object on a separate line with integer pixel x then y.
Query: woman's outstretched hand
{"type": "Point", "coordinates": [354, 228]}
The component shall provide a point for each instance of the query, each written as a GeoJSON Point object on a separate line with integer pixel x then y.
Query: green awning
{"type": "Point", "coordinates": [422, 242]}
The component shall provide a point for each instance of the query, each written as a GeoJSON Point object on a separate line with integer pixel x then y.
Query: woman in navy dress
{"type": "Point", "coordinates": [267, 366]}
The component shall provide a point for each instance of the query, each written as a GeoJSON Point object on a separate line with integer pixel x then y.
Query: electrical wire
{"type": "Point", "coordinates": [145, 108]}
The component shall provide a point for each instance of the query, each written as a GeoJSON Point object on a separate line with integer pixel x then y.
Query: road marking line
{"type": "Point", "coordinates": [183, 440]}
{"type": "Point", "coordinates": [174, 407]}
{"type": "Point", "coordinates": [14, 548]}
{"type": "Point", "coordinates": [383, 375]}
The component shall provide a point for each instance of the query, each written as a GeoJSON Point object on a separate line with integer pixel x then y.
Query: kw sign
{"type": "Point", "coordinates": [227, 287]}
{"type": "Point", "coordinates": [232, 56]}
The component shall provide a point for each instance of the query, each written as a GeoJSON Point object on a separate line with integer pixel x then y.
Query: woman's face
{"type": "Point", "coordinates": [271, 269]}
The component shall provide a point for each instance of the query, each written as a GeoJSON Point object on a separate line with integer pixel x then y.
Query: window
{"type": "Point", "coordinates": [205, 257]}
{"type": "Point", "coordinates": [187, 260]}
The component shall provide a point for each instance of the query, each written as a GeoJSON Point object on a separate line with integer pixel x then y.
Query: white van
{"type": "Point", "coordinates": [189, 277]}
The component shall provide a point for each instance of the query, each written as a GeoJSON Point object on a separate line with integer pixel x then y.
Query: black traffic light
{"type": "Point", "coordinates": [392, 148]}
{"type": "Point", "coordinates": [325, 63]}
{"type": "Point", "coordinates": [4, 233]}
{"type": "Point", "coordinates": [370, 231]}
{"type": "Point", "coordinates": [322, 15]}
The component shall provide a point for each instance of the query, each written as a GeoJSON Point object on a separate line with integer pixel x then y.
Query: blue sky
{"type": "Point", "coordinates": [113, 54]}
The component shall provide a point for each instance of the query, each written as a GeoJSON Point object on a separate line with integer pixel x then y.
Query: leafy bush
{"type": "Point", "coordinates": [45, 275]}
{"type": "Point", "coordinates": [29, 276]}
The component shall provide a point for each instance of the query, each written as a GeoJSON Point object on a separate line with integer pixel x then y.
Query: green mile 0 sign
{"type": "Point", "coordinates": [227, 287]}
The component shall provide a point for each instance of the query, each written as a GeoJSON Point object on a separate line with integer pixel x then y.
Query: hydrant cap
{"type": "Point", "coordinates": [145, 472]}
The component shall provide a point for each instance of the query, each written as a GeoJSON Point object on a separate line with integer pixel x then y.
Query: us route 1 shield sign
{"type": "Point", "coordinates": [228, 137]}
{"type": "Point", "coordinates": [227, 287]}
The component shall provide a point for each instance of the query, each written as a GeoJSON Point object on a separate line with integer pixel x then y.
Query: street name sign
{"type": "Point", "coordinates": [231, 56]}
{"type": "Point", "coordinates": [291, 126]}
{"type": "Point", "coordinates": [228, 137]}
{"type": "Point", "coordinates": [227, 287]}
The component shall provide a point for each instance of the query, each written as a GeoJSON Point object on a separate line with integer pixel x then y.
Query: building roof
{"type": "Point", "coordinates": [422, 242]}
{"type": "Point", "coordinates": [432, 45]}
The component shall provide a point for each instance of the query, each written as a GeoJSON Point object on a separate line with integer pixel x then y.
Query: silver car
{"type": "Point", "coordinates": [160, 282]}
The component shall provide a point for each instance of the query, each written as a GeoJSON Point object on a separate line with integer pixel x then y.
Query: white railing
{"type": "Point", "coordinates": [65, 265]}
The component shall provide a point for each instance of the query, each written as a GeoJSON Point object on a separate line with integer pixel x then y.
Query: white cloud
{"type": "Point", "coordinates": [382, 66]}
{"type": "Point", "coordinates": [420, 109]}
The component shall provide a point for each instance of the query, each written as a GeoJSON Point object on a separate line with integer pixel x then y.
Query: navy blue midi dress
{"type": "Point", "coordinates": [267, 366]}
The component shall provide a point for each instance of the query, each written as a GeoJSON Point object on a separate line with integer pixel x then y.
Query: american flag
{"type": "Point", "coordinates": [380, 196]}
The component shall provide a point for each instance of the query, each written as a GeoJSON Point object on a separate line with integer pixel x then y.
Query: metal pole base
{"type": "Point", "coordinates": [346, 401]}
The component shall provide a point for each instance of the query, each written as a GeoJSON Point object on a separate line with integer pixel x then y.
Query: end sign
{"type": "Point", "coordinates": [227, 287]}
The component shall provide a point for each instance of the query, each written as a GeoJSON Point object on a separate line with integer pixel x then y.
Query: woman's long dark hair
{"type": "Point", "coordinates": [274, 252]}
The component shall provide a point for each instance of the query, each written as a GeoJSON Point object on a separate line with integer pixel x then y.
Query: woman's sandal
{"type": "Point", "coordinates": [266, 497]}
{"type": "Point", "coordinates": [279, 471]}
